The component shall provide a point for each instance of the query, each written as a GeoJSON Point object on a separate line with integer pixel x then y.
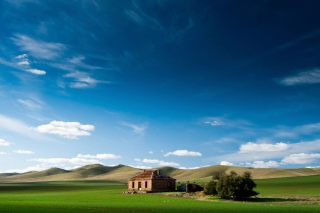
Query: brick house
{"type": "Point", "coordinates": [151, 180]}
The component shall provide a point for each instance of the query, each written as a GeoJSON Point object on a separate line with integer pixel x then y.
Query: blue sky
{"type": "Point", "coordinates": [159, 83]}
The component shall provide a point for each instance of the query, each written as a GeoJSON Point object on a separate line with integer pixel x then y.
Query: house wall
{"type": "Point", "coordinates": [163, 185]}
{"type": "Point", "coordinates": [152, 185]}
{"type": "Point", "coordinates": [142, 186]}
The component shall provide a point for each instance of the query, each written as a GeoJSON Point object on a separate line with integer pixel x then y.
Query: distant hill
{"type": "Point", "coordinates": [122, 173]}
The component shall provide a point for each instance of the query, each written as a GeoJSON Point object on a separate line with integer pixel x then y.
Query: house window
{"type": "Point", "coordinates": [146, 184]}
{"type": "Point", "coordinates": [133, 184]}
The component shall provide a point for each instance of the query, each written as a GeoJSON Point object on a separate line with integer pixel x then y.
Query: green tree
{"type": "Point", "coordinates": [234, 186]}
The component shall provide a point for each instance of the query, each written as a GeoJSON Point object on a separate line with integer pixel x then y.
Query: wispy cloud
{"type": "Point", "coordinates": [292, 132]}
{"type": "Point", "coordinates": [139, 129]}
{"type": "Point", "coordinates": [306, 77]}
{"type": "Point", "coordinates": [141, 18]}
{"type": "Point", "coordinates": [65, 161]}
{"type": "Point", "coordinates": [23, 60]}
{"type": "Point", "coordinates": [299, 40]}
{"type": "Point", "coordinates": [262, 164]}
{"type": "Point", "coordinates": [20, 151]}
{"type": "Point", "coordinates": [71, 130]}
{"type": "Point", "coordinates": [214, 123]}
{"type": "Point", "coordinates": [14, 125]}
{"type": "Point", "coordinates": [159, 162]}
{"type": "Point", "coordinates": [301, 158]}
{"type": "Point", "coordinates": [222, 121]}
{"type": "Point", "coordinates": [37, 48]}
{"type": "Point", "coordinates": [82, 80]}
{"type": "Point", "coordinates": [263, 147]}
{"type": "Point", "coordinates": [3, 153]}
{"type": "Point", "coordinates": [33, 104]}
{"type": "Point", "coordinates": [184, 153]}
{"type": "Point", "coordinates": [99, 156]}
{"type": "Point", "coordinates": [4, 143]}
{"type": "Point", "coordinates": [141, 167]}
{"type": "Point", "coordinates": [36, 71]}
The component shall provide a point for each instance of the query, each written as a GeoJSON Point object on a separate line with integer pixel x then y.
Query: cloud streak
{"type": "Point", "coordinates": [82, 80]}
{"type": "Point", "coordinates": [184, 153]}
{"type": "Point", "coordinates": [36, 71]}
{"type": "Point", "coordinates": [263, 147]}
{"type": "Point", "coordinates": [26, 152]}
{"type": "Point", "coordinates": [306, 77]}
{"type": "Point", "coordinates": [37, 48]}
{"type": "Point", "coordinates": [159, 162]}
{"type": "Point", "coordinates": [31, 104]}
{"type": "Point", "coordinates": [138, 129]}
{"type": "Point", "coordinates": [99, 156]}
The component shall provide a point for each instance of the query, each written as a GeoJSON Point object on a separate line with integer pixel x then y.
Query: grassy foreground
{"type": "Point", "coordinates": [277, 195]}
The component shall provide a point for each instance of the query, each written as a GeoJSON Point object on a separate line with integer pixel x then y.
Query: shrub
{"type": "Point", "coordinates": [234, 186]}
{"type": "Point", "coordinates": [210, 188]}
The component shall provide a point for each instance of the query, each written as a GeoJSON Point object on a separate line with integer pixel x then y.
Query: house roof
{"type": "Point", "coordinates": [151, 175]}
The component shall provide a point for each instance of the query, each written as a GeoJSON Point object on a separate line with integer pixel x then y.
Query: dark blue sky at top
{"type": "Point", "coordinates": [174, 61]}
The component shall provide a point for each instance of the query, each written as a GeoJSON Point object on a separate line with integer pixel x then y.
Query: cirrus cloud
{"type": "Point", "coordinates": [64, 161]}
{"type": "Point", "coordinates": [71, 130]}
{"type": "Point", "coordinates": [99, 156]}
{"type": "Point", "coordinates": [26, 152]}
{"type": "Point", "coordinates": [306, 77]}
{"type": "Point", "coordinates": [36, 71]}
{"type": "Point", "coordinates": [37, 48]}
{"type": "Point", "coordinates": [183, 153]}
{"type": "Point", "coordinates": [159, 162]}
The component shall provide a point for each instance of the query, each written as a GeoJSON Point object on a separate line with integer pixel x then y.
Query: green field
{"type": "Point", "coordinates": [277, 195]}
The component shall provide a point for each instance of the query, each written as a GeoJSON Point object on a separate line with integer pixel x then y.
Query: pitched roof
{"type": "Point", "coordinates": [151, 175]}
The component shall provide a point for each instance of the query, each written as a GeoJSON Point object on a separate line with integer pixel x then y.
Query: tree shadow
{"type": "Point", "coordinates": [269, 200]}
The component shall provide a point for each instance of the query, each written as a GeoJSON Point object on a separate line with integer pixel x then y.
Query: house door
{"type": "Point", "coordinates": [139, 185]}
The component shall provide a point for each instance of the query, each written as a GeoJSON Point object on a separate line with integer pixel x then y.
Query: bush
{"type": "Point", "coordinates": [234, 186]}
{"type": "Point", "coordinates": [210, 188]}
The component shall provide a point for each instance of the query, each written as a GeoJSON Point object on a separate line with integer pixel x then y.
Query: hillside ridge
{"type": "Point", "coordinates": [121, 173]}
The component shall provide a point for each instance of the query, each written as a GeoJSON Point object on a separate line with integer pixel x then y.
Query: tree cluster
{"type": "Point", "coordinates": [231, 186]}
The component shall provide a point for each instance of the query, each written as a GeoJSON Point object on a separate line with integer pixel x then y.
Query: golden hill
{"type": "Point", "coordinates": [121, 173]}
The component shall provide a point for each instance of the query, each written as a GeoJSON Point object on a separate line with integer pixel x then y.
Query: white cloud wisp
{"type": "Point", "coordinates": [184, 153]}
{"type": "Point", "coordinates": [159, 162]}
{"type": "Point", "coordinates": [263, 147]}
{"type": "Point", "coordinates": [38, 49]}
{"type": "Point", "coordinates": [71, 130]}
{"type": "Point", "coordinates": [99, 156]}
{"type": "Point", "coordinates": [4, 143]}
{"type": "Point", "coordinates": [306, 77]}
{"type": "Point", "coordinates": [26, 152]}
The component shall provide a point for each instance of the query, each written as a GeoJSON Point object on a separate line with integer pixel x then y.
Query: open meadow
{"type": "Point", "coordinates": [299, 194]}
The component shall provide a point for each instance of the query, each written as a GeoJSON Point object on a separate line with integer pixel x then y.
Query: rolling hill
{"type": "Point", "coordinates": [122, 173]}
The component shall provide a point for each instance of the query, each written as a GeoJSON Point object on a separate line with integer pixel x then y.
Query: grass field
{"type": "Point", "coordinates": [277, 195]}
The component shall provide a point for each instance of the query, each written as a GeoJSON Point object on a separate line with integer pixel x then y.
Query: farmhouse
{"type": "Point", "coordinates": [151, 180]}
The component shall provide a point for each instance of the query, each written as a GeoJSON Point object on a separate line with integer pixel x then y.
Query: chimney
{"type": "Point", "coordinates": [158, 171]}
